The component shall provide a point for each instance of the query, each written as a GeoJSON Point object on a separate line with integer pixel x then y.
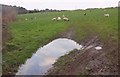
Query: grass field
{"type": "Point", "coordinates": [29, 35]}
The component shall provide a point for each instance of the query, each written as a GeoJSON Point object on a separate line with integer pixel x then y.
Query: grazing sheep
{"type": "Point", "coordinates": [65, 18]}
{"type": "Point", "coordinates": [53, 19]}
{"type": "Point", "coordinates": [106, 15]}
{"type": "Point", "coordinates": [58, 18]}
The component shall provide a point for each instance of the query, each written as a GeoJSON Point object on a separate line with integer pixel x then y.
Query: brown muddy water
{"type": "Point", "coordinates": [42, 60]}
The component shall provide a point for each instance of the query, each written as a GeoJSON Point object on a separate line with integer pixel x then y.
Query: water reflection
{"type": "Point", "coordinates": [45, 56]}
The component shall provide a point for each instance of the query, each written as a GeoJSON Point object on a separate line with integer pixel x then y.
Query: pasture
{"type": "Point", "coordinates": [39, 29]}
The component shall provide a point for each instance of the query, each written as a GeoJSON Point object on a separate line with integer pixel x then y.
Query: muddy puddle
{"type": "Point", "coordinates": [42, 60]}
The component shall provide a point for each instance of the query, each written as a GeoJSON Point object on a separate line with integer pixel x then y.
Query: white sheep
{"type": "Point", "coordinates": [65, 18]}
{"type": "Point", "coordinates": [106, 15]}
{"type": "Point", "coordinates": [58, 18]}
{"type": "Point", "coordinates": [53, 19]}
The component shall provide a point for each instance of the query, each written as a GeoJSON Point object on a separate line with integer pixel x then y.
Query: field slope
{"type": "Point", "coordinates": [39, 29]}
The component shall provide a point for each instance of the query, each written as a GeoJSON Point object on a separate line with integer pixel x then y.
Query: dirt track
{"type": "Point", "coordinates": [90, 61]}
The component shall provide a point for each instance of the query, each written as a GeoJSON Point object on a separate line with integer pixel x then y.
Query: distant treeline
{"type": "Point", "coordinates": [54, 10]}
{"type": "Point", "coordinates": [101, 8]}
{"type": "Point", "coordinates": [45, 10]}
{"type": "Point", "coordinates": [97, 8]}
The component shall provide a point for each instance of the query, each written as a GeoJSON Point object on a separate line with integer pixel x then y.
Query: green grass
{"type": "Point", "coordinates": [96, 23]}
{"type": "Point", "coordinates": [29, 35]}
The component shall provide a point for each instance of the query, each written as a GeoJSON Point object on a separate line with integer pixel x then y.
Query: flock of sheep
{"type": "Point", "coordinates": [59, 18]}
{"type": "Point", "coordinates": [66, 18]}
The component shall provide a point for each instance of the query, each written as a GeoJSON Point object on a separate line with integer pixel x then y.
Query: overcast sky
{"type": "Point", "coordinates": [61, 4]}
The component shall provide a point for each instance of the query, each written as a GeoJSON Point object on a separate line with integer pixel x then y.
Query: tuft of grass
{"type": "Point", "coordinates": [11, 46]}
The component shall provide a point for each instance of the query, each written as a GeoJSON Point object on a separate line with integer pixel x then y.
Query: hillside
{"type": "Point", "coordinates": [31, 31]}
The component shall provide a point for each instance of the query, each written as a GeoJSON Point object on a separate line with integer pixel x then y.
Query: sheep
{"type": "Point", "coordinates": [106, 15]}
{"type": "Point", "coordinates": [53, 19]}
{"type": "Point", "coordinates": [65, 18]}
{"type": "Point", "coordinates": [58, 18]}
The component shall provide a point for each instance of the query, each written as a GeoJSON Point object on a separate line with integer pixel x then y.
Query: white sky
{"type": "Point", "coordinates": [61, 4]}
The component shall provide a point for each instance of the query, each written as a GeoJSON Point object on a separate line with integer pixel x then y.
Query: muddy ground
{"type": "Point", "coordinates": [88, 61]}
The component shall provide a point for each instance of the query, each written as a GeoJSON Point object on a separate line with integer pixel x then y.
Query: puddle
{"type": "Point", "coordinates": [45, 56]}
